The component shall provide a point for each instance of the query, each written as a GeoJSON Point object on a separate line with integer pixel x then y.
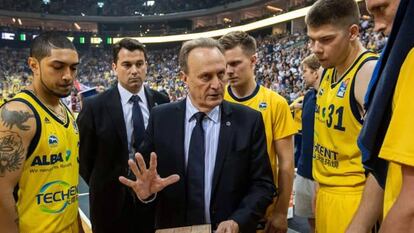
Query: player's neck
{"type": "Point", "coordinates": [46, 98]}
{"type": "Point", "coordinates": [244, 90]}
{"type": "Point", "coordinates": [353, 54]}
{"type": "Point", "coordinates": [316, 84]}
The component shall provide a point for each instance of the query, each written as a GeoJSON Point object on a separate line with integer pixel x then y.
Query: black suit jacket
{"type": "Point", "coordinates": [103, 158]}
{"type": "Point", "coordinates": [242, 181]}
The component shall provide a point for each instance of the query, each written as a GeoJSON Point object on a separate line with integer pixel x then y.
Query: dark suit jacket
{"type": "Point", "coordinates": [103, 158]}
{"type": "Point", "coordinates": [242, 181]}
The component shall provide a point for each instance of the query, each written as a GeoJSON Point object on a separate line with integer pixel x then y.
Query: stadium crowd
{"type": "Point", "coordinates": [279, 58]}
{"type": "Point", "coordinates": [109, 8]}
{"type": "Point", "coordinates": [121, 7]}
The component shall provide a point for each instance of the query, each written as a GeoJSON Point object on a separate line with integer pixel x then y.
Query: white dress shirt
{"type": "Point", "coordinates": [127, 110]}
{"type": "Point", "coordinates": [211, 126]}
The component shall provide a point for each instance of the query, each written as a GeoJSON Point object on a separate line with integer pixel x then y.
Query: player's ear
{"type": "Point", "coordinates": [34, 65]}
{"type": "Point", "coordinates": [253, 60]}
{"type": "Point", "coordinates": [353, 32]}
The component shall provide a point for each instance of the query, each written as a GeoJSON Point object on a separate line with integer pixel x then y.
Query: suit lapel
{"type": "Point", "coordinates": [225, 136]}
{"type": "Point", "coordinates": [114, 109]}
{"type": "Point", "coordinates": [150, 97]}
{"type": "Point", "coordinates": [179, 137]}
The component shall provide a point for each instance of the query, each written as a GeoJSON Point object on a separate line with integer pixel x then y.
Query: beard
{"type": "Point", "coordinates": [60, 95]}
{"type": "Point", "coordinates": [56, 92]}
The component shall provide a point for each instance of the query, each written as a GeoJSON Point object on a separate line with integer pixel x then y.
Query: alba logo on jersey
{"type": "Point", "coordinates": [54, 197]}
{"type": "Point", "coordinates": [44, 160]}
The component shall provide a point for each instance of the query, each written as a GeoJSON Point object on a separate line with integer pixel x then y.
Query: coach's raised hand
{"type": "Point", "coordinates": [147, 181]}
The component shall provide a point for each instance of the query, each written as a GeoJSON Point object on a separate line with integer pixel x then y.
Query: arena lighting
{"type": "Point", "coordinates": [96, 40]}
{"type": "Point", "coordinates": [19, 21]}
{"type": "Point", "coordinates": [272, 8]}
{"type": "Point", "coordinates": [100, 4]}
{"type": "Point", "coordinates": [220, 32]}
{"type": "Point", "coordinates": [14, 20]}
{"type": "Point", "coordinates": [149, 3]}
{"type": "Point", "coordinates": [46, 2]}
{"type": "Point", "coordinates": [216, 33]}
{"type": "Point", "coordinates": [7, 36]}
{"type": "Point", "coordinates": [77, 26]}
{"type": "Point", "coordinates": [22, 37]}
{"type": "Point", "coordinates": [226, 20]}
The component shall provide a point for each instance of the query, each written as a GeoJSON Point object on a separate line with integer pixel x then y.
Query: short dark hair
{"type": "Point", "coordinates": [335, 12]}
{"type": "Point", "coordinates": [188, 46]}
{"type": "Point", "coordinates": [43, 44]}
{"type": "Point", "coordinates": [130, 45]}
{"type": "Point", "coordinates": [239, 38]}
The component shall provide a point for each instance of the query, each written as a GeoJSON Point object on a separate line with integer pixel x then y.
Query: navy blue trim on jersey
{"type": "Point", "coordinates": [69, 112]}
{"type": "Point", "coordinates": [16, 193]}
{"type": "Point", "coordinates": [256, 90]}
{"type": "Point", "coordinates": [34, 97]}
{"type": "Point", "coordinates": [352, 100]}
{"type": "Point", "coordinates": [333, 85]}
{"type": "Point", "coordinates": [374, 80]}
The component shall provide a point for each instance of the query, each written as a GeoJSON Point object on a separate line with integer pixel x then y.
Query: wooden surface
{"type": "Point", "coordinates": [191, 229]}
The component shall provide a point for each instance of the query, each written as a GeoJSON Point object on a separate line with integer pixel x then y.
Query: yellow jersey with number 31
{"type": "Point", "coordinates": [336, 157]}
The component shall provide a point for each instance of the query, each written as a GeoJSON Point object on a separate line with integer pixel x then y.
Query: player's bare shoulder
{"type": "Point", "coordinates": [17, 128]}
{"type": "Point", "coordinates": [362, 80]}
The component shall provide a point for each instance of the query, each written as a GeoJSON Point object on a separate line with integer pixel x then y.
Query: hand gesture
{"type": "Point", "coordinates": [147, 181]}
{"type": "Point", "coordinates": [228, 226]}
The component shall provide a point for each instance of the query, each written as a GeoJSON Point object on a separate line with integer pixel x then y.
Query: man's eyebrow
{"type": "Point", "coordinates": [64, 63]}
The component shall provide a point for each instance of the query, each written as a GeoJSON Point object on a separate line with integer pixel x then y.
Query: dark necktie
{"type": "Point", "coordinates": [195, 173]}
{"type": "Point", "coordinates": [137, 122]}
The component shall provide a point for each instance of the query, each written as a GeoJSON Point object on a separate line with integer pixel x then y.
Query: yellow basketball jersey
{"type": "Point", "coordinates": [336, 158]}
{"type": "Point", "coordinates": [392, 186]}
{"type": "Point", "coordinates": [297, 113]}
{"type": "Point", "coordinates": [397, 146]}
{"type": "Point", "coordinates": [48, 192]}
{"type": "Point", "coordinates": [277, 120]}
{"type": "Point", "coordinates": [276, 115]}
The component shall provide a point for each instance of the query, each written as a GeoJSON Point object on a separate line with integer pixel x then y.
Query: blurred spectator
{"type": "Point", "coordinates": [278, 66]}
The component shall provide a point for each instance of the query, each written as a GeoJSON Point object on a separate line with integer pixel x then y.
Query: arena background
{"type": "Point", "coordinates": [162, 25]}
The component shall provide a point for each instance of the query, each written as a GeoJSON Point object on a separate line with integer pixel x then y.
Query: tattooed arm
{"type": "Point", "coordinates": [17, 128]}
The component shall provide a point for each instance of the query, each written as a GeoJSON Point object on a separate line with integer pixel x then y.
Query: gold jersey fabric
{"type": "Point", "coordinates": [336, 157]}
{"type": "Point", "coordinates": [277, 119]}
{"type": "Point", "coordinates": [397, 146]}
{"type": "Point", "coordinates": [297, 113]}
{"type": "Point", "coordinates": [48, 187]}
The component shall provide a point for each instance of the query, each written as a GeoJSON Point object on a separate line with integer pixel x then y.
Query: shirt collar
{"type": "Point", "coordinates": [126, 95]}
{"type": "Point", "coordinates": [213, 115]}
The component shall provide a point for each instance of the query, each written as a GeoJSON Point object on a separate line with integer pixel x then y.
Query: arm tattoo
{"type": "Point", "coordinates": [17, 118]}
{"type": "Point", "coordinates": [11, 152]}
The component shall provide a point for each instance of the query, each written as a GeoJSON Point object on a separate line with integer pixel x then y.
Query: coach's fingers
{"type": "Point", "coordinates": [126, 181]}
{"type": "Point", "coordinates": [134, 169]}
